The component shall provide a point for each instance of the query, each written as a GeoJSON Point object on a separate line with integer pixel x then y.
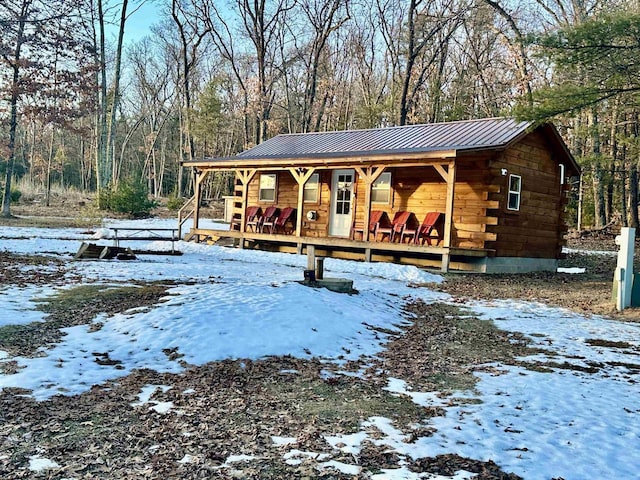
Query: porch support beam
{"type": "Point", "coordinates": [245, 177]}
{"type": "Point", "coordinates": [301, 176]}
{"type": "Point", "coordinates": [448, 173]}
{"type": "Point", "coordinates": [369, 175]}
{"type": "Point", "coordinates": [197, 194]}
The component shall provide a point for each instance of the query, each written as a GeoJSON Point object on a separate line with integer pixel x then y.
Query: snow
{"type": "Point", "coordinates": [280, 441]}
{"type": "Point", "coordinates": [17, 306]}
{"type": "Point", "coordinates": [571, 269]}
{"type": "Point", "coordinates": [233, 304]}
{"type": "Point", "coordinates": [39, 464]}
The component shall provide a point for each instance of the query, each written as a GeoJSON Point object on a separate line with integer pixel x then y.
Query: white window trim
{"type": "Point", "coordinates": [373, 187]}
{"type": "Point", "coordinates": [517, 193]}
{"type": "Point", "coordinates": [314, 180]}
{"type": "Point", "coordinates": [275, 188]}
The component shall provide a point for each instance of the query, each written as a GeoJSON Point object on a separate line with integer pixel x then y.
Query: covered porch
{"type": "Point", "coordinates": [313, 227]}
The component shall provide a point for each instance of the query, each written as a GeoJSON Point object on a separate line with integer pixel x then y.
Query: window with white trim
{"type": "Point", "coordinates": [267, 191]}
{"type": "Point", "coordinates": [381, 189]}
{"type": "Point", "coordinates": [515, 188]}
{"type": "Point", "coordinates": [312, 189]}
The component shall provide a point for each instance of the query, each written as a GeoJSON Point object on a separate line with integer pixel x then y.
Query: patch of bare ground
{"type": "Point", "coordinates": [585, 293]}
{"type": "Point", "coordinates": [443, 346]}
{"type": "Point", "coordinates": [20, 270]}
{"type": "Point", "coordinates": [218, 410]}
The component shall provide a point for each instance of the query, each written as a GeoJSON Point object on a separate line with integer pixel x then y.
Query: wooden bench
{"type": "Point", "coordinates": [150, 234]}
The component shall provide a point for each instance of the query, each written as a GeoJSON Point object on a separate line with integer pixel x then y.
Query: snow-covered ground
{"type": "Point", "coordinates": [247, 304]}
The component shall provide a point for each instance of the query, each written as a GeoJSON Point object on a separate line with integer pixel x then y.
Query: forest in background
{"type": "Point", "coordinates": [84, 108]}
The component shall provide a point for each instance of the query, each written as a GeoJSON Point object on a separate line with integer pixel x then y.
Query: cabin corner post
{"type": "Point", "coordinates": [301, 176]}
{"type": "Point", "coordinates": [197, 194]}
{"type": "Point", "coordinates": [369, 176]}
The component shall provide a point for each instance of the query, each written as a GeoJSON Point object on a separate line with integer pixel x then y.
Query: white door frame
{"type": "Point", "coordinates": [342, 200]}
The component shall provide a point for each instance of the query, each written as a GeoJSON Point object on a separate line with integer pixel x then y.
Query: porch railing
{"type": "Point", "coordinates": [183, 217]}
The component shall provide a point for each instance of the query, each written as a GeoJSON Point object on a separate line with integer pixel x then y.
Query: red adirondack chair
{"type": "Point", "coordinates": [377, 218]}
{"type": "Point", "coordinates": [409, 229]}
{"type": "Point", "coordinates": [253, 217]}
{"type": "Point", "coordinates": [432, 221]}
{"type": "Point", "coordinates": [287, 216]}
{"type": "Point", "coordinates": [269, 218]}
{"type": "Point", "coordinates": [396, 227]}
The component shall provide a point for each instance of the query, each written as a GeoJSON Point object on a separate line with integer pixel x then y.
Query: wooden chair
{"type": "Point", "coordinates": [287, 215]}
{"type": "Point", "coordinates": [409, 229]}
{"type": "Point", "coordinates": [432, 221]}
{"type": "Point", "coordinates": [269, 218]}
{"type": "Point", "coordinates": [376, 219]}
{"type": "Point", "coordinates": [253, 217]}
{"type": "Point", "coordinates": [396, 227]}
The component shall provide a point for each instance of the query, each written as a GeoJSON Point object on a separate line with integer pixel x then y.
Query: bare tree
{"type": "Point", "coordinates": [417, 40]}
{"type": "Point", "coordinates": [40, 60]}
{"type": "Point", "coordinates": [325, 17]}
{"type": "Point", "coordinates": [192, 32]}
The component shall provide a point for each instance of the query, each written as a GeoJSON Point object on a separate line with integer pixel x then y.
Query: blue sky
{"type": "Point", "coordinates": [139, 23]}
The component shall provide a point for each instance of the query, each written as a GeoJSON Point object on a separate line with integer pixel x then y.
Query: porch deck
{"type": "Point", "coordinates": [445, 258]}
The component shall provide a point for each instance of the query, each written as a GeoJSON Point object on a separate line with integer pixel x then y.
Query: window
{"type": "Point", "coordinates": [343, 194]}
{"type": "Point", "coordinates": [312, 189]}
{"type": "Point", "coordinates": [515, 186]}
{"type": "Point", "coordinates": [381, 189]}
{"type": "Point", "coordinates": [267, 188]}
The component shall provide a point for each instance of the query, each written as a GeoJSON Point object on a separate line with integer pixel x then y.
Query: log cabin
{"type": "Point", "coordinates": [499, 185]}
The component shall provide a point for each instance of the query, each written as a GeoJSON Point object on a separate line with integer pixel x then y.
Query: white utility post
{"type": "Point", "coordinates": [624, 269]}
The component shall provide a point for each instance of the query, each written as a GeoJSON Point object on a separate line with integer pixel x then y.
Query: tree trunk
{"type": "Point", "coordinates": [13, 117]}
{"type": "Point", "coordinates": [103, 169]}
{"type": "Point", "coordinates": [598, 182]}
{"type": "Point", "coordinates": [633, 196]}
{"type": "Point", "coordinates": [47, 194]}
{"type": "Point", "coordinates": [116, 93]}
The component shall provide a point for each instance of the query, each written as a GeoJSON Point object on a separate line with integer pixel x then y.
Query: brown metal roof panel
{"type": "Point", "coordinates": [459, 135]}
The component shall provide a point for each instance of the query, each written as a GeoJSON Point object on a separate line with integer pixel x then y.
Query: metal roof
{"type": "Point", "coordinates": [461, 135]}
{"type": "Point", "coordinates": [432, 138]}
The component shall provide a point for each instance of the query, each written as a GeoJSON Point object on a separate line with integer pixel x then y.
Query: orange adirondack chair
{"type": "Point", "coordinates": [253, 217]}
{"type": "Point", "coordinates": [269, 218]}
{"type": "Point", "coordinates": [432, 221]}
{"type": "Point", "coordinates": [287, 215]}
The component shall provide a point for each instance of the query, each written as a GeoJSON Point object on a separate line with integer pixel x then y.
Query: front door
{"type": "Point", "coordinates": [341, 203]}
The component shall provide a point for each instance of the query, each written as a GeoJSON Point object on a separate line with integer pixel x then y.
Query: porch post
{"type": "Point", "coordinates": [369, 176]}
{"type": "Point", "coordinates": [197, 194]}
{"type": "Point", "coordinates": [449, 175]}
{"type": "Point", "coordinates": [301, 177]}
{"type": "Point", "coordinates": [245, 177]}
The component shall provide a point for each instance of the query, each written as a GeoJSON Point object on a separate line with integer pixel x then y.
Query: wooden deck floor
{"type": "Point", "coordinates": [441, 257]}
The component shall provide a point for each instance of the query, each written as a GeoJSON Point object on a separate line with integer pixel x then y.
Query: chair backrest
{"type": "Point", "coordinates": [286, 214]}
{"type": "Point", "coordinates": [374, 219]}
{"type": "Point", "coordinates": [253, 212]}
{"type": "Point", "coordinates": [430, 221]}
{"type": "Point", "coordinates": [400, 219]}
{"type": "Point", "coordinates": [270, 213]}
